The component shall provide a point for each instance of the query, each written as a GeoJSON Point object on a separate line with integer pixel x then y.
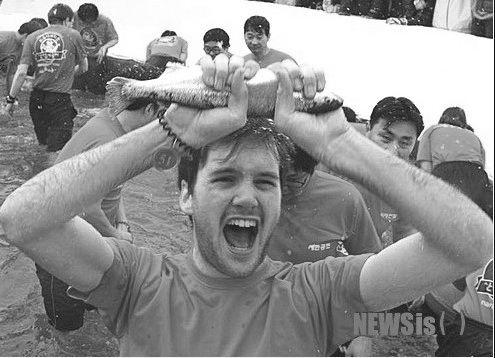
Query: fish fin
{"type": "Point", "coordinates": [116, 100]}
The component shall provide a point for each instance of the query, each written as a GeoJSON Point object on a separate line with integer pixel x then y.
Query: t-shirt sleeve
{"type": "Point", "coordinates": [27, 52]}
{"type": "Point", "coordinates": [80, 52]}
{"type": "Point", "coordinates": [111, 32]}
{"type": "Point", "coordinates": [363, 238]}
{"type": "Point", "coordinates": [119, 287]}
{"type": "Point", "coordinates": [334, 284]}
{"type": "Point", "coordinates": [424, 149]}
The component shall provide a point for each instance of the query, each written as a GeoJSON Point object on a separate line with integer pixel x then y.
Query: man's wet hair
{"type": "Point", "coordinates": [257, 24]}
{"type": "Point", "coordinates": [59, 13]}
{"type": "Point", "coordinates": [350, 115]}
{"type": "Point", "coordinates": [28, 28]}
{"type": "Point", "coordinates": [256, 129]}
{"type": "Point", "coordinates": [168, 33]}
{"type": "Point", "coordinates": [218, 35]}
{"type": "Point", "coordinates": [88, 12]}
{"type": "Point", "coordinates": [302, 161]}
{"type": "Point", "coordinates": [454, 116]}
{"type": "Point", "coordinates": [394, 109]}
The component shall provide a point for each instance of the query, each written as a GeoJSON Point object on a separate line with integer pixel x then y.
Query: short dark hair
{"type": "Point", "coordinates": [350, 115]}
{"type": "Point", "coordinates": [217, 34]}
{"type": "Point", "coordinates": [88, 12]}
{"type": "Point", "coordinates": [39, 20]}
{"type": "Point", "coordinates": [257, 24]}
{"type": "Point", "coordinates": [397, 109]}
{"type": "Point", "coordinates": [28, 28]}
{"type": "Point", "coordinates": [260, 129]}
{"type": "Point", "coordinates": [454, 116]}
{"type": "Point", "coordinates": [302, 161]}
{"type": "Point", "coordinates": [168, 33]}
{"type": "Point", "coordinates": [60, 12]}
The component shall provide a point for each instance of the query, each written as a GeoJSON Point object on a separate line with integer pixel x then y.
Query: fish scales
{"type": "Point", "coordinates": [184, 85]}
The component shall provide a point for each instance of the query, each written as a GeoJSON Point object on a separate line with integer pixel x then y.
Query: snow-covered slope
{"type": "Point", "coordinates": [364, 60]}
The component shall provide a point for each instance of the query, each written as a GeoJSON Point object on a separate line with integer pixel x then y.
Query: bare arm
{"type": "Point", "coordinates": [82, 66]}
{"type": "Point", "coordinates": [40, 217]}
{"type": "Point", "coordinates": [456, 235]}
{"type": "Point", "coordinates": [426, 165]}
{"type": "Point", "coordinates": [19, 77]}
{"type": "Point", "coordinates": [97, 218]}
{"type": "Point", "coordinates": [81, 256]}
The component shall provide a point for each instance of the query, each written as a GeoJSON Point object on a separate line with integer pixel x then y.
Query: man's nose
{"type": "Point", "coordinates": [245, 197]}
{"type": "Point", "coordinates": [393, 148]}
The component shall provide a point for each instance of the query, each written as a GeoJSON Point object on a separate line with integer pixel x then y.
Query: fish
{"type": "Point", "coordinates": [184, 85]}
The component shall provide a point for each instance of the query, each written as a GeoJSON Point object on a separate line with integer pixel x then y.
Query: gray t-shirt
{"type": "Point", "coordinates": [165, 306]}
{"type": "Point", "coordinates": [96, 34]}
{"type": "Point", "coordinates": [446, 143]}
{"type": "Point", "coordinates": [54, 51]}
{"type": "Point", "coordinates": [101, 129]}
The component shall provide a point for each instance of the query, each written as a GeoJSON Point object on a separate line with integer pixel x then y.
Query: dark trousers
{"type": "Point", "coordinates": [98, 74]}
{"type": "Point", "coordinates": [52, 115]}
{"type": "Point", "coordinates": [64, 313]}
{"type": "Point", "coordinates": [471, 179]}
{"type": "Point", "coordinates": [476, 338]}
{"type": "Point", "coordinates": [161, 61]}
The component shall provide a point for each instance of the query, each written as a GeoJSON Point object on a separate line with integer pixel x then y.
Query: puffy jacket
{"type": "Point", "coordinates": [453, 15]}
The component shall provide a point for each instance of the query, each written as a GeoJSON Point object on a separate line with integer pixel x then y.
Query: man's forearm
{"type": "Point", "coordinates": [93, 173]}
{"type": "Point", "coordinates": [97, 218]}
{"type": "Point", "coordinates": [19, 77]}
{"type": "Point", "coordinates": [111, 43]}
{"type": "Point", "coordinates": [439, 212]}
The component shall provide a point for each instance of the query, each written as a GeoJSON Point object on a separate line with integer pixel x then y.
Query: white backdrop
{"type": "Point", "coordinates": [364, 60]}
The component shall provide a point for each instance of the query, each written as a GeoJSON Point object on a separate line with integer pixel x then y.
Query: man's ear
{"type": "Point", "coordinates": [185, 200]}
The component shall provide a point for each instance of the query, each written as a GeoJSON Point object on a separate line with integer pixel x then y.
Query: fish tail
{"type": "Point", "coordinates": [116, 100]}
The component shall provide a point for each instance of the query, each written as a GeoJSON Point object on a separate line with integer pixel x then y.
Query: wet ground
{"type": "Point", "coordinates": [157, 223]}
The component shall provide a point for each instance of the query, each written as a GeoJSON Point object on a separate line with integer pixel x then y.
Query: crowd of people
{"type": "Point", "coordinates": [298, 221]}
{"type": "Point", "coordinates": [468, 16]}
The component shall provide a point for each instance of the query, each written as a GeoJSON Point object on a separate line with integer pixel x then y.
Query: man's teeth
{"type": "Point", "coordinates": [242, 222]}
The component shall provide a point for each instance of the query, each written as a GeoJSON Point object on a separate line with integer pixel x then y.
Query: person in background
{"type": "Point", "coordinates": [11, 43]}
{"type": "Point", "coordinates": [450, 148]}
{"type": "Point", "coordinates": [375, 9]}
{"type": "Point", "coordinates": [411, 12]}
{"type": "Point", "coordinates": [256, 36]}
{"type": "Point", "coordinates": [98, 34]}
{"type": "Point", "coordinates": [322, 215]}
{"type": "Point", "coordinates": [482, 24]}
{"type": "Point", "coordinates": [395, 124]}
{"type": "Point", "coordinates": [57, 53]}
{"type": "Point", "coordinates": [107, 215]}
{"type": "Point", "coordinates": [467, 304]}
{"type": "Point", "coordinates": [453, 15]}
{"type": "Point", "coordinates": [168, 47]}
{"type": "Point", "coordinates": [215, 42]}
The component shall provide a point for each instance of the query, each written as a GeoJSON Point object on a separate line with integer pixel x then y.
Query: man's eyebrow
{"type": "Point", "coordinates": [273, 175]}
{"type": "Point", "coordinates": [222, 171]}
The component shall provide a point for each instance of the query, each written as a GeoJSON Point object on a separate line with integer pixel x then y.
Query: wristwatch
{"type": "Point", "coordinates": [126, 224]}
{"type": "Point", "coordinates": [10, 100]}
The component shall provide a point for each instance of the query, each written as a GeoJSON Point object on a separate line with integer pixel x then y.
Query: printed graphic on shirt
{"type": "Point", "coordinates": [337, 247]}
{"type": "Point", "coordinates": [90, 38]}
{"type": "Point", "coordinates": [49, 52]}
{"type": "Point", "coordinates": [168, 40]}
{"type": "Point", "coordinates": [390, 217]}
{"type": "Point", "coordinates": [484, 283]}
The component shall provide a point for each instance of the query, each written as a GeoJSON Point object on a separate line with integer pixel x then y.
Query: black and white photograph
{"type": "Point", "coordinates": [246, 178]}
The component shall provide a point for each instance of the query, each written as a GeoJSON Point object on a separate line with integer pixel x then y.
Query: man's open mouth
{"type": "Point", "coordinates": [241, 233]}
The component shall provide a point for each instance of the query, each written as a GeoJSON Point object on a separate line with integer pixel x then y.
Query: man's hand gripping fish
{"type": "Point", "coordinates": [184, 85]}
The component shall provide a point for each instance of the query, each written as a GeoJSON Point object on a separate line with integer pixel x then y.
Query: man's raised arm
{"type": "Point", "coordinates": [457, 237]}
{"type": "Point", "coordinates": [40, 217]}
